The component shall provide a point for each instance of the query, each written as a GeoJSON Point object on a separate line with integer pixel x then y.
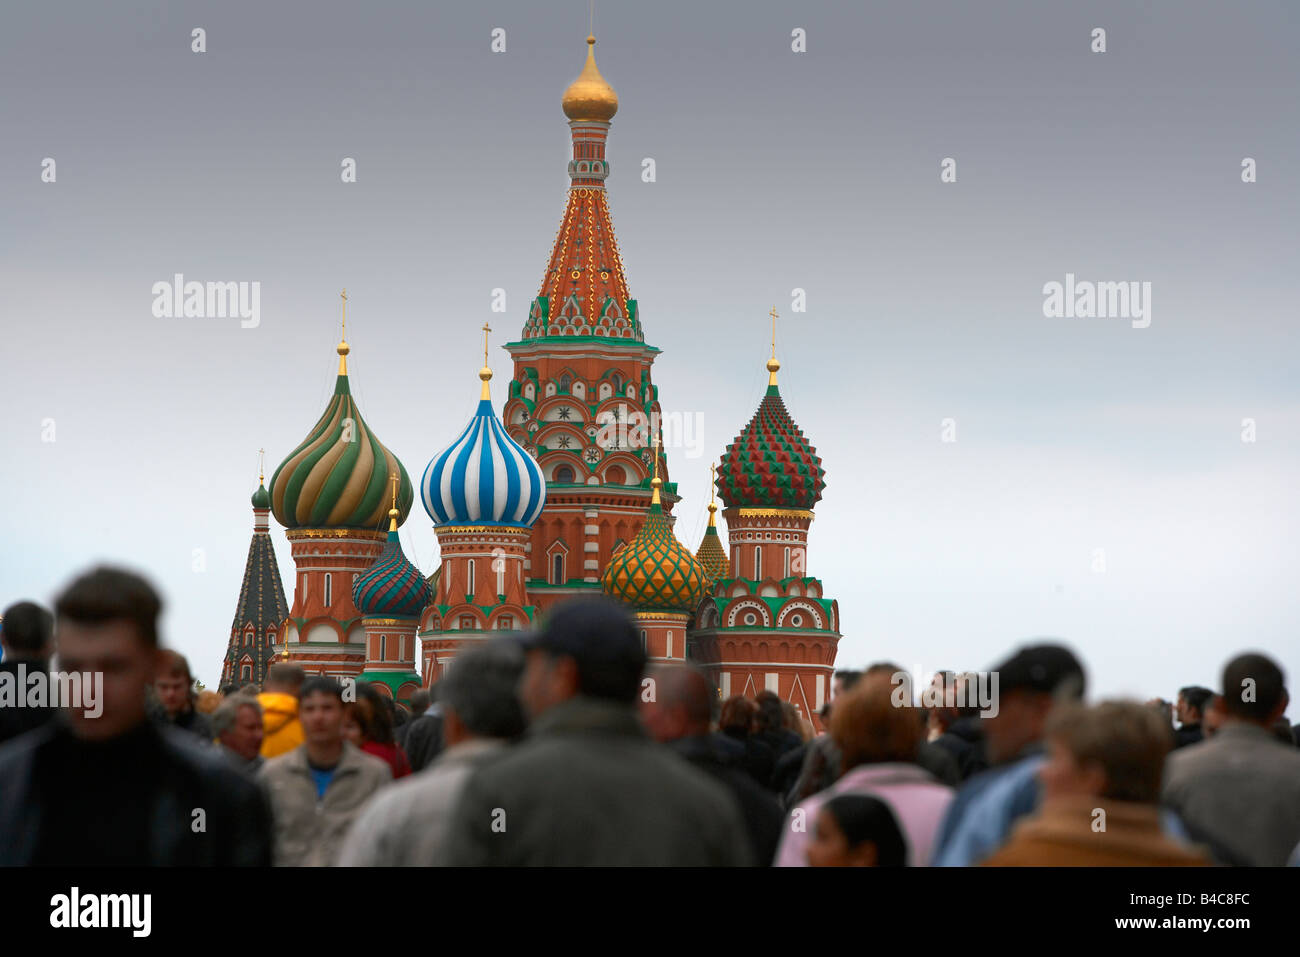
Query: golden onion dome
{"type": "Point", "coordinates": [589, 97]}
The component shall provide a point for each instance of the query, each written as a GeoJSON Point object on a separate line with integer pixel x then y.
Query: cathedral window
{"type": "Point", "coordinates": [758, 561]}
{"type": "Point", "coordinates": [564, 474]}
{"type": "Point", "coordinates": [557, 569]}
{"type": "Point", "coordinates": [469, 577]}
{"type": "Point", "coordinates": [787, 562]}
{"type": "Point", "coordinates": [329, 589]}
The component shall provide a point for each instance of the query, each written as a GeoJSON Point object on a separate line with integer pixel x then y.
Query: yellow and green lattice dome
{"type": "Point", "coordinates": [654, 571]}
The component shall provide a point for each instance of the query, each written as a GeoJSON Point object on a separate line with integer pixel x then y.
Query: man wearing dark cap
{"type": "Point", "coordinates": [1029, 684]}
{"type": "Point", "coordinates": [25, 638]}
{"type": "Point", "coordinates": [587, 786]}
{"type": "Point", "coordinates": [1239, 791]}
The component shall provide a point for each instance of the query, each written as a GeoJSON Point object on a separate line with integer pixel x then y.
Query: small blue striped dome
{"type": "Point", "coordinates": [484, 478]}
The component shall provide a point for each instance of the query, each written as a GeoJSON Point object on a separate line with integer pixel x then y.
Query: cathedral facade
{"type": "Point", "coordinates": [565, 494]}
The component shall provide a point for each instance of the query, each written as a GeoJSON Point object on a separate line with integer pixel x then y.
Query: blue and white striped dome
{"type": "Point", "coordinates": [484, 478]}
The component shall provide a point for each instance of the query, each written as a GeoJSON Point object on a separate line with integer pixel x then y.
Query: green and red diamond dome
{"type": "Point", "coordinates": [771, 463]}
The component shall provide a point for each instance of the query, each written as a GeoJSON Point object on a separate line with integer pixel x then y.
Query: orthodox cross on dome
{"type": "Point", "coordinates": [392, 512]}
{"type": "Point", "coordinates": [343, 349]}
{"type": "Point", "coordinates": [261, 466]}
{"type": "Point", "coordinates": [772, 364]}
{"type": "Point", "coordinates": [486, 372]}
{"type": "Point", "coordinates": [656, 482]}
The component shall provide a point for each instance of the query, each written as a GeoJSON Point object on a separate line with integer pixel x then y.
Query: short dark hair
{"type": "Point", "coordinates": [1196, 697]}
{"type": "Point", "coordinates": [107, 594]}
{"type": "Point", "coordinates": [847, 678]}
{"type": "Point", "coordinates": [480, 687]}
{"type": "Point", "coordinates": [321, 684]}
{"type": "Point", "coordinates": [1267, 683]}
{"type": "Point", "coordinates": [771, 717]}
{"type": "Point", "coordinates": [867, 819]}
{"type": "Point", "coordinates": [371, 710]}
{"type": "Point", "coordinates": [27, 628]}
{"type": "Point", "coordinates": [600, 636]}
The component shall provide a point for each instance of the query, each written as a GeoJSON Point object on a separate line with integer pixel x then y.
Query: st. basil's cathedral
{"type": "Point", "coordinates": [540, 504]}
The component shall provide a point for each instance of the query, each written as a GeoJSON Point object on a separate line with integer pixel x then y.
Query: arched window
{"type": "Point", "coordinates": [644, 646]}
{"type": "Point", "coordinates": [614, 475]}
{"type": "Point", "coordinates": [564, 475]}
{"type": "Point", "coordinates": [758, 561]}
{"type": "Point", "coordinates": [329, 589]}
{"type": "Point", "coordinates": [557, 569]}
{"type": "Point", "coordinates": [500, 563]}
{"type": "Point", "coordinates": [565, 383]}
{"type": "Point", "coordinates": [383, 647]}
{"type": "Point", "coordinates": [246, 673]}
{"type": "Point", "coordinates": [787, 562]}
{"type": "Point", "coordinates": [469, 576]}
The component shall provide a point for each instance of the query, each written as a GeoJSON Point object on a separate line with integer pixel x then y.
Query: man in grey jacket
{"type": "Point", "coordinates": [406, 825]}
{"type": "Point", "coordinates": [1239, 791]}
{"type": "Point", "coordinates": [587, 786]}
{"type": "Point", "coordinates": [318, 789]}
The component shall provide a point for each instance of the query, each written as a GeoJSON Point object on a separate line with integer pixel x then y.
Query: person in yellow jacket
{"type": "Point", "coordinates": [283, 730]}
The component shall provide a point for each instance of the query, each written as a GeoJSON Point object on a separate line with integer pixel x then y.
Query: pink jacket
{"type": "Point", "coordinates": [916, 798]}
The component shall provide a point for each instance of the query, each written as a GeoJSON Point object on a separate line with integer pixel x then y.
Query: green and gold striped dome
{"type": "Point", "coordinates": [654, 571]}
{"type": "Point", "coordinates": [338, 477]}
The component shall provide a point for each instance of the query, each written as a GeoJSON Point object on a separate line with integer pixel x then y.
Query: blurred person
{"type": "Point", "coordinates": [102, 785]}
{"type": "Point", "coordinates": [740, 744]}
{"type": "Point", "coordinates": [1101, 791]}
{"type": "Point", "coordinates": [878, 745]}
{"type": "Point", "coordinates": [422, 737]}
{"type": "Point", "coordinates": [1212, 716]}
{"type": "Point", "coordinates": [962, 735]}
{"type": "Point", "coordinates": [679, 716]}
{"type": "Point", "coordinates": [1190, 709]}
{"type": "Point", "coordinates": [815, 766]}
{"type": "Point", "coordinates": [174, 686]}
{"type": "Point", "coordinates": [26, 636]}
{"type": "Point", "coordinates": [207, 702]}
{"type": "Point", "coordinates": [1239, 791]}
{"type": "Point", "coordinates": [770, 727]}
{"type": "Point", "coordinates": [237, 726]}
{"type": "Point", "coordinates": [319, 788]}
{"type": "Point", "coordinates": [856, 830]}
{"type": "Point", "coordinates": [279, 701]}
{"type": "Point", "coordinates": [794, 721]}
{"type": "Point", "coordinates": [406, 825]}
{"type": "Point", "coordinates": [1282, 731]}
{"type": "Point", "coordinates": [587, 785]}
{"type": "Point", "coordinates": [372, 712]}
{"type": "Point", "coordinates": [1030, 683]}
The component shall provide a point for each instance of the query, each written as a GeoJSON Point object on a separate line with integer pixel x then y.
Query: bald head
{"type": "Point", "coordinates": [680, 703]}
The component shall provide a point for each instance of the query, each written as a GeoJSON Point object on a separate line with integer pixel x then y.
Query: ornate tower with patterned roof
{"type": "Point", "coordinates": [769, 626]}
{"type": "Point", "coordinates": [659, 579]}
{"type": "Point", "coordinates": [391, 595]}
{"type": "Point", "coordinates": [711, 555]}
{"type": "Point", "coordinates": [483, 492]}
{"type": "Point", "coordinates": [330, 494]}
{"type": "Point", "coordinates": [262, 610]}
{"type": "Point", "coordinates": [582, 401]}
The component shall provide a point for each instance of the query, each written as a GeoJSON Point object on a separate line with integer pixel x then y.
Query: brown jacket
{"type": "Point", "coordinates": [1062, 835]}
{"type": "Point", "coordinates": [309, 832]}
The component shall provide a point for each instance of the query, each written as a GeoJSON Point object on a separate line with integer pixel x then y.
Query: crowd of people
{"type": "Point", "coordinates": [564, 746]}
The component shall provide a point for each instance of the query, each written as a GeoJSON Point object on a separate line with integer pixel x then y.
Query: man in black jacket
{"type": "Point", "coordinates": [102, 785]}
{"type": "Point", "coordinates": [1191, 712]}
{"type": "Point", "coordinates": [678, 714]}
{"type": "Point", "coordinates": [25, 638]}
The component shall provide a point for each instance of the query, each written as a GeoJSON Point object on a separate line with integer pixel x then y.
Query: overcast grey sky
{"type": "Point", "coordinates": [775, 170]}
